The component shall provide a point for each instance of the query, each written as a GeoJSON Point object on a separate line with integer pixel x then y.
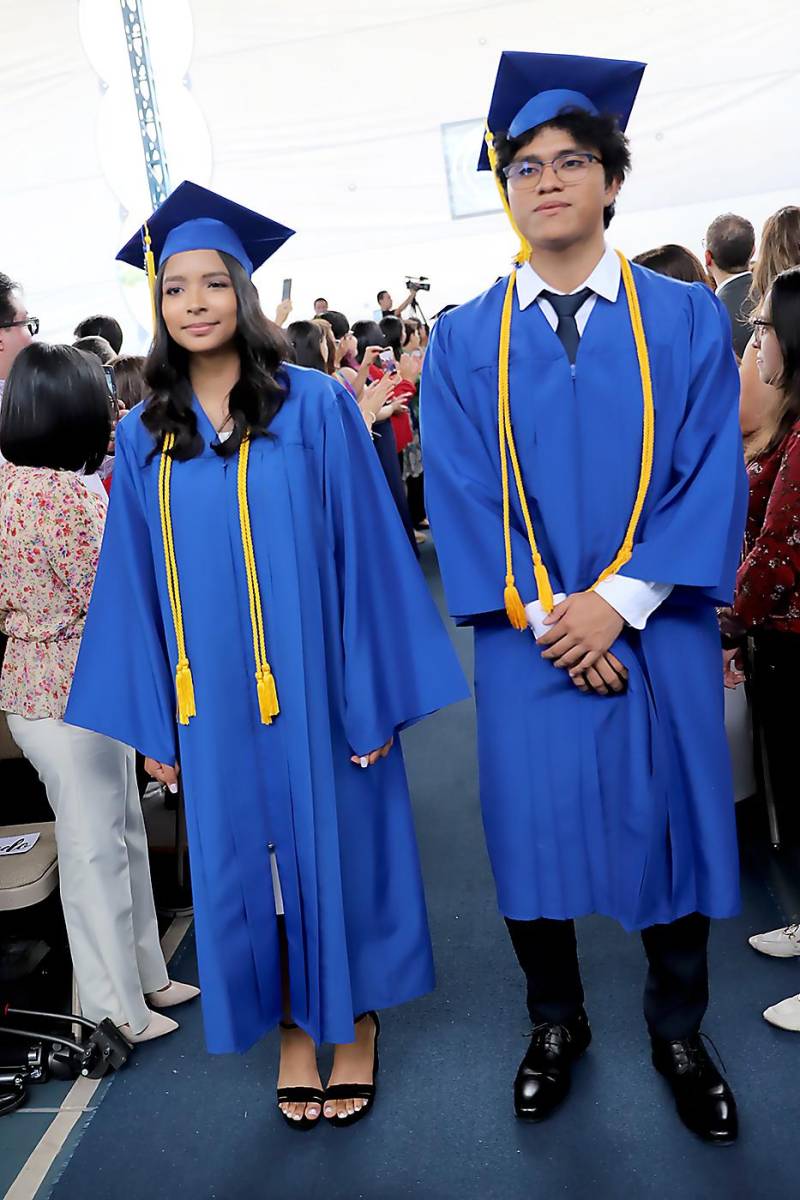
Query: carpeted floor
{"type": "Point", "coordinates": [178, 1123]}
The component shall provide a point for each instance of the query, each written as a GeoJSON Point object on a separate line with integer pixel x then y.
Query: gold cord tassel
{"type": "Point", "coordinates": [184, 688]}
{"type": "Point", "coordinates": [515, 609]}
{"type": "Point", "coordinates": [268, 706]}
{"type": "Point", "coordinates": [150, 268]}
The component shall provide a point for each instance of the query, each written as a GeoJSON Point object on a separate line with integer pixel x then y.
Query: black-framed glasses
{"type": "Point", "coordinates": [759, 325]}
{"type": "Point", "coordinates": [31, 322]}
{"type": "Point", "coordinates": [571, 166]}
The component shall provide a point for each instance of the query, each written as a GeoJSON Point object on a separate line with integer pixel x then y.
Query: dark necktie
{"type": "Point", "coordinates": [566, 308]}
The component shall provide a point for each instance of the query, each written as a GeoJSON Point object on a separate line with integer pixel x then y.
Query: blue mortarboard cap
{"type": "Point", "coordinates": [194, 218]}
{"type": "Point", "coordinates": [533, 88]}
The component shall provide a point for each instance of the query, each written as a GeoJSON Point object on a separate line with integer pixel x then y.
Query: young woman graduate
{"type": "Point", "coordinates": [255, 550]}
{"type": "Point", "coordinates": [584, 471]}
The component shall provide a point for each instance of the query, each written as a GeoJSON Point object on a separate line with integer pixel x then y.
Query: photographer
{"type": "Point", "coordinates": [386, 304]}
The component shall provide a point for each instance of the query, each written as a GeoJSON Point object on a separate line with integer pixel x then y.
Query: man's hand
{"type": "Point", "coordinates": [584, 627]}
{"type": "Point", "coordinates": [732, 668]}
{"type": "Point", "coordinates": [369, 760]}
{"type": "Point", "coordinates": [163, 773]}
{"type": "Point", "coordinates": [607, 677]}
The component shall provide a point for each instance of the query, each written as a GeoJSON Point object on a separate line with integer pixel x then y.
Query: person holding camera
{"type": "Point", "coordinates": [54, 428]}
{"type": "Point", "coordinates": [386, 304]}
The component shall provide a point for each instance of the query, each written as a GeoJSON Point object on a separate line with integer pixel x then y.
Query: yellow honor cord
{"type": "Point", "coordinates": [525, 250]}
{"type": "Point", "coordinates": [513, 602]}
{"type": "Point", "coordinates": [150, 268]}
{"type": "Point", "coordinates": [266, 690]}
{"type": "Point", "coordinates": [184, 685]}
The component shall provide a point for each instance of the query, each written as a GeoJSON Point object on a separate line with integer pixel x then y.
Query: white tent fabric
{"type": "Point", "coordinates": [329, 118]}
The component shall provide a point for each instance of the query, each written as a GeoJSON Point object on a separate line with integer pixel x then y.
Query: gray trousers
{"type": "Point", "coordinates": [104, 872]}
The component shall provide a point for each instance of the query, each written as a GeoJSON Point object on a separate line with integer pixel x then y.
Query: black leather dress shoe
{"type": "Point", "coordinates": [544, 1074]}
{"type": "Point", "coordinates": [705, 1103]}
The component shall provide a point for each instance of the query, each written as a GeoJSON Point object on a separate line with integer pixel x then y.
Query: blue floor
{"type": "Point", "coordinates": [179, 1123]}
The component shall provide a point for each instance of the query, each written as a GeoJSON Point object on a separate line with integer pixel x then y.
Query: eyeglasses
{"type": "Point", "coordinates": [569, 167]}
{"type": "Point", "coordinates": [32, 324]}
{"type": "Point", "coordinates": [759, 325]}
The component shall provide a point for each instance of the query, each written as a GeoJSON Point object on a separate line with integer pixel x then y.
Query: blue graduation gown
{"type": "Point", "coordinates": [334, 566]}
{"type": "Point", "coordinates": [617, 805]}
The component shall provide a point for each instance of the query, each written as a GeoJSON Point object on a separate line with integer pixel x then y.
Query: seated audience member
{"type": "Point", "coordinates": [103, 327]}
{"type": "Point", "coordinates": [730, 242]}
{"type": "Point", "coordinates": [778, 251]}
{"type": "Point", "coordinates": [55, 423]}
{"type": "Point", "coordinates": [328, 345]}
{"type": "Point", "coordinates": [97, 346]}
{"type": "Point", "coordinates": [767, 600]}
{"type": "Point", "coordinates": [675, 261]}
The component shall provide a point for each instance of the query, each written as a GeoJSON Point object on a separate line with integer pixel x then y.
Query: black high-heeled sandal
{"type": "Point", "coordinates": [299, 1095]}
{"type": "Point", "coordinates": [356, 1091]}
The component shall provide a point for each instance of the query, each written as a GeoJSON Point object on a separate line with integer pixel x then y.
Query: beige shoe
{"type": "Point", "coordinates": [158, 1026]}
{"type": "Point", "coordinates": [174, 993]}
{"type": "Point", "coordinates": [785, 1015]}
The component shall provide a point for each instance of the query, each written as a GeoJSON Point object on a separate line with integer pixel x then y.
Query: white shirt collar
{"type": "Point", "coordinates": [604, 280]}
{"type": "Point", "coordinates": [730, 279]}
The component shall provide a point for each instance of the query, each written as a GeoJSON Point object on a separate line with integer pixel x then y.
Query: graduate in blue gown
{"type": "Point", "coordinates": [603, 511]}
{"type": "Point", "coordinates": [251, 556]}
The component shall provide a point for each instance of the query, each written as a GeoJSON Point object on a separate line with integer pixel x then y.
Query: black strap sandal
{"type": "Point", "coordinates": [356, 1091]}
{"type": "Point", "coordinates": [299, 1095]}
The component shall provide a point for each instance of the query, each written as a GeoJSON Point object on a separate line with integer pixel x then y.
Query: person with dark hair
{"type": "Point", "coordinates": [129, 379]}
{"type": "Point", "coordinates": [102, 327]}
{"type": "Point", "coordinates": [674, 261]}
{"type": "Point", "coordinates": [308, 344]}
{"type": "Point", "coordinates": [604, 769]}
{"type": "Point", "coordinates": [730, 243]}
{"type": "Point", "coordinates": [250, 541]}
{"type": "Point", "coordinates": [99, 347]}
{"type": "Point", "coordinates": [17, 328]}
{"type": "Point", "coordinates": [386, 304]}
{"type": "Point", "coordinates": [766, 610]}
{"type": "Point", "coordinates": [320, 306]}
{"type": "Point", "coordinates": [55, 422]}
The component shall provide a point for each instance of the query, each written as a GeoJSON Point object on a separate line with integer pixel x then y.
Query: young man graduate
{"type": "Point", "coordinates": [584, 473]}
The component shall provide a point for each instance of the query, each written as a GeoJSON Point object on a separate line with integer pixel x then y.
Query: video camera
{"type": "Point", "coordinates": [422, 284]}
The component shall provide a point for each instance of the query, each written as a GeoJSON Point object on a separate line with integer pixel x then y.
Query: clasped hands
{"type": "Point", "coordinates": [582, 629]}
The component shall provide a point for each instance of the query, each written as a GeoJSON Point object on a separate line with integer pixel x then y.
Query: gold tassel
{"type": "Point", "coordinates": [515, 609]}
{"type": "Point", "coordinates": [268, 706]}
{"type": "Point", "coordinates": [150, 268]}
{"type": "Point", "coordinates": [184, 687]}
{"type": "Point", "coordinates": [543, 588]}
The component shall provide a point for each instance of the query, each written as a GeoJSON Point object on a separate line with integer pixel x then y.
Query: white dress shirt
{"type": "Point", "coordinates": [634, 599]}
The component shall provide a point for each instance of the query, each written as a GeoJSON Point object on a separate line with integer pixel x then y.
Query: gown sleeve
{"type": "Point", "coordinates": [399, 663]}
{"type": "Point", "coordinates": [123, 685]}
{"type": "Point", "coordinates": [463, 493]}
{"type": "Point", "coordinates": [692, 537]}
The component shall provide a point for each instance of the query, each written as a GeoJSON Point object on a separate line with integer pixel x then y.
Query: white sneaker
{"type": "Point", "coordinates": [779, 943]}
{"type": "Point", "coordinates": [785, 1015]}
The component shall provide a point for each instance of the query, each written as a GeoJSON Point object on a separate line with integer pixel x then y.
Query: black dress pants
{"type": "Point", "coordinates": [676, 989]}
{"type": "Point", "coordinates": [773, 677]}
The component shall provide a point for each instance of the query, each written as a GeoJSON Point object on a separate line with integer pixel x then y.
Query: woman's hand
{"type": "Point", "coordinates": [376, 396]}
{"type": "Point", "coordinates": [282, 312]}
{"type": "Point", "coordinates": [368, 760]}
{"type": "Point", "coordinates": [163, 773]}
{"type": "Point", "coordinates": [410, 367]}
{"type": "Point", "coordinates": [732, 668]}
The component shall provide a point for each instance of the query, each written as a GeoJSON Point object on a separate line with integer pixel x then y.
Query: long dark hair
{"type": "Point", "coordinates": [306, 341]}
{"type": "Point", "coordinates": [394, 332]}
{"type": "Point", "coordinates": [784, 305]}
{"type": "Point", "coordinates": [256, 397]}
{"type": "Point", "coordinates": [367, 333]}
{"type": "Point", "coordinates": [56, 410]}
